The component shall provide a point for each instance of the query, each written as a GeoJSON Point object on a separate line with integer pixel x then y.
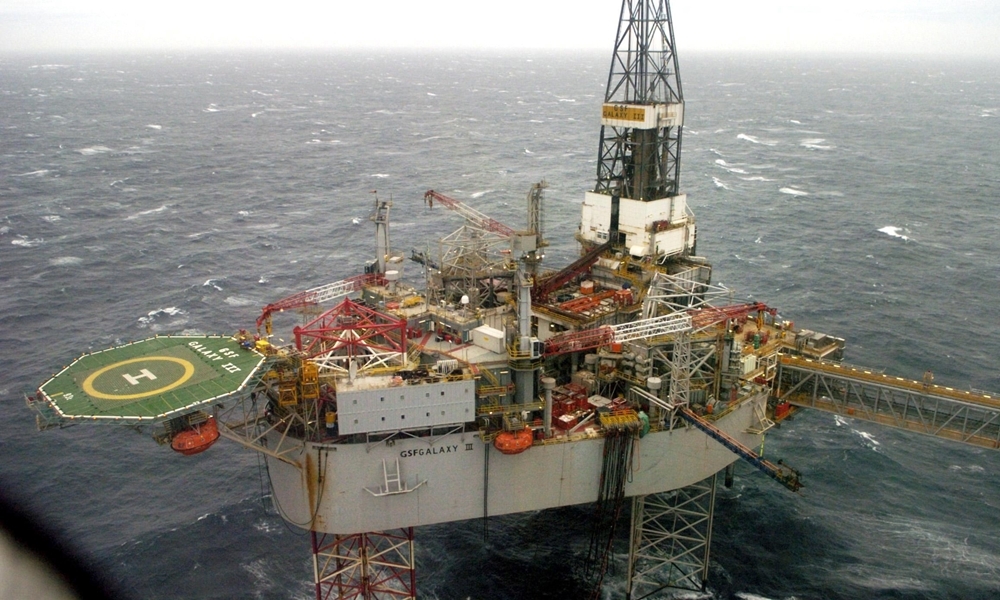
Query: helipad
{"type": "Point", "coordinates": [151, 379]}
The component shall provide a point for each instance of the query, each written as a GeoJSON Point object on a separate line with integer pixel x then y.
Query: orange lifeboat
{"type": "Point", "coordinates": [197, 439]}
{"type": "Point", "coordinates": [514, 442]}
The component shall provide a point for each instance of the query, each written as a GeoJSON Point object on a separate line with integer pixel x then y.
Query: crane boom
{"type": "Point", "coordinates": [472, 215]}
{"type": "Point", "coordinates": [317, 295]}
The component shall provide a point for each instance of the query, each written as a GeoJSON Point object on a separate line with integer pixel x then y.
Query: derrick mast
{"type": "Point", "coordinates": [636, 203]}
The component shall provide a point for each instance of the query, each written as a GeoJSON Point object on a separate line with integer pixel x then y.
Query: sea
{"type": "Point", "coordinates": [158, 193]}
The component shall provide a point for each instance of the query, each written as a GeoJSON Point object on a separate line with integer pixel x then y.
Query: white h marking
{"type": "Point", "coordinates": [134, 379]}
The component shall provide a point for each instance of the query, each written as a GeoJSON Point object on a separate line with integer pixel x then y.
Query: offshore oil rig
{"type": "Point", "coordinates": [503, 386]}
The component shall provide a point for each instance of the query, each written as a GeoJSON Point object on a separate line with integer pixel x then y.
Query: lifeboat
{"type": "Point", "coordinates": [514, 442]}
{"type": "Point", "coordinates": [197, 439]}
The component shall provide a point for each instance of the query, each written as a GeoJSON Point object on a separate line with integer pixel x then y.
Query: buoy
{"type": "Point", "coordinates": [513, 442]}
{"type": "Point", "coordinates": [197, 439]}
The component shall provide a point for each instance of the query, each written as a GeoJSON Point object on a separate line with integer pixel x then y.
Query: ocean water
{"type": "Point", "coordinates": [180, 193]}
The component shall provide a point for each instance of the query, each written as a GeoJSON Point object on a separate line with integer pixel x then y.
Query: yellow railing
{"type": "Point", "coordinates": [891, 380]}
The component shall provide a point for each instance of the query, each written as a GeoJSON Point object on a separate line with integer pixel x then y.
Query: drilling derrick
{"type": "Point", "coordinates": [637, 203]}
{"type": "Point", "coordinates": [643, 110]}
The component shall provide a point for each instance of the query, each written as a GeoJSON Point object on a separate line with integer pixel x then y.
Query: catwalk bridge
{"type": "Point", "coordinates": [963, 416]}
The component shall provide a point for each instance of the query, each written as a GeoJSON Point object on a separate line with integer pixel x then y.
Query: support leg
{"type": "Point", "coordinates": [671, 539]}
{"type": "Point", "coordinates": [364, 566]}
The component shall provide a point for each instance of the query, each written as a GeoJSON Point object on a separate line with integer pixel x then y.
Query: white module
{"type": "Point", "coordinates": [488, 338]}
{"type": "Point", "coordinates": [656, 228]}
{"type": "Point", "coordinates": [386, 404]}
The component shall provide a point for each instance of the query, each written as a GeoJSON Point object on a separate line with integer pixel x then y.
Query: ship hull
{"type": "Point", "coordinates": [343, 488]}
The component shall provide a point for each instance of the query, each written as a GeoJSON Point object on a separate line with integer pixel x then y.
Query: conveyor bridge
{"type": "Point", "coordinates": [921, 406]}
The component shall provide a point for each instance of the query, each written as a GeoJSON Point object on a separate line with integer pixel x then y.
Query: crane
{"type": "Point", "coordinates": [317, 295]}
{"type": "Point", "coordinates": [472, 215]}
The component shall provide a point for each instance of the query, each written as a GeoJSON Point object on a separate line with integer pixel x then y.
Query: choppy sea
{"type": "Point", "coordinates": [168, 193]}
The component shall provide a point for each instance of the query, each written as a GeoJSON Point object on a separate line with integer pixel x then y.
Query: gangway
{"type": "Point", "coordinates": [781, 473]}
{"type": "Point", "coordinates": [669, 324]}
{"type": "Point", "coordinates": [588, 339]}
{"type": "Point", "coordinates": [969, 417]}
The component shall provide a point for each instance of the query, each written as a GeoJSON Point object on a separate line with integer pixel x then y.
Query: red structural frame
{"type": "Point", "coordinates": [373, 331]}
{"type": "Point", "coordinates": [364, 566]}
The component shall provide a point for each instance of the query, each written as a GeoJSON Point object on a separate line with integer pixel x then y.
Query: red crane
{"type": "Point", "coordinates": [472, 215]}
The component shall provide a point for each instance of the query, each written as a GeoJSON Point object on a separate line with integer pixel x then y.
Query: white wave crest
{"type": "Point", "coordinates": [148, 212]}
{"type": "Point", "coordinates": [816, 144]}
{"type": "Point", "coordinates": [92, 150]}
{"type": "Point", "coordinates": [24, 242]}
{"type": "Point", "coordinates": [480, 194]}
{"type": "Point", "coordinates": [719, 183]}
{"type": "Point", "coordinates": [51, 218]}
{"type": "Point", "coordinates": [755, 140]}
{"type": "Point", "coordinates": [239, 301]}
{"type": "Point", "coordinates": [37, 173]}
{"type": "Point", "coordinates": [793, 192]}
{"type": "Point", "coordinates": [893, 231]}
{"type": "Point", "coordinates": [65, 261]}
{"type": "Point", "coordinates": [870, 440]}
{"type": "Point", "coordinates": [729, 168]}
{"type": "Point", "coordinates": [151, 316]}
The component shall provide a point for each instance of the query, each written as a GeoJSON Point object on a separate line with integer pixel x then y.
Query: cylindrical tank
{"type": "Point", "coordinates": [548, 384]}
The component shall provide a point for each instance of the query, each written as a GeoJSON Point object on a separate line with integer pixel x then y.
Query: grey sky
{"type": "Point", "coordinates": [964, 27]}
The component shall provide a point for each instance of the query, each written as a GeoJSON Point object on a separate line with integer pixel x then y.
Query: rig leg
{"type": "Point", "coordinates": [364, 566]}
{"type": "Point", "coordinates": [670, 541]}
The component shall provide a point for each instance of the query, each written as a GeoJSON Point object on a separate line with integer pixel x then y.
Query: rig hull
{"type": "Point", "coordinates": [338, 487]}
